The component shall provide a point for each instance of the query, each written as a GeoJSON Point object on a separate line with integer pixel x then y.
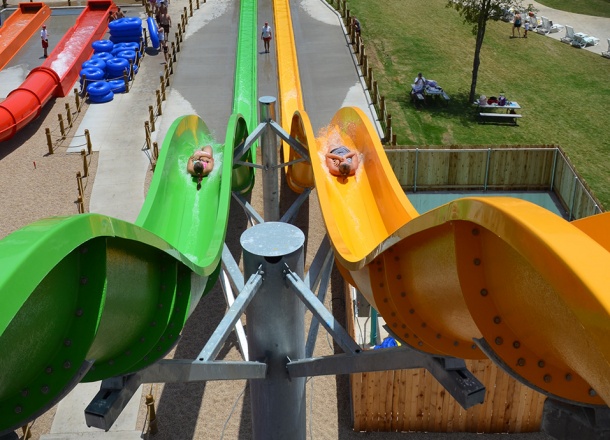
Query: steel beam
{"type": "Point", "coordinates": [188, 370]}
{"type": "Point", "coordinates": [218, 338]}
{"type": "Point", "coordinates": [460, 382]}
{"type": "Point", "coordinates": [326, 318]}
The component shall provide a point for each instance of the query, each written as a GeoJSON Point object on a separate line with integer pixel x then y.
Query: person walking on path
{"type": "Point", "coordinates": [266, 36]}
{"type": "Point", "coordinates": [44, 38]}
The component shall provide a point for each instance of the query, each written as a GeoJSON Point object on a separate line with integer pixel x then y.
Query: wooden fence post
{"type": "Point", "coordinates": [47, 132]}
{"type": "Point", "coordinates": [151, 117]}
{"type": "Point", "coordinates": [85, 164]}
{"type": "Point", "coordinates": [62, 128]}
{"type": "Point", "coordinates": [88, 138]}
{"type": "Point", "coordinates": [159, 110]}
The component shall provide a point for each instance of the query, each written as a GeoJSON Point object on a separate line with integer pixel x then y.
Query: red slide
{"type": "Point", "coordinates": [57, 75]}
{"type": "Point", "coordinates": [20, 27]}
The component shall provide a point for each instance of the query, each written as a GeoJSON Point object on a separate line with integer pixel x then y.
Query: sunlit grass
{"type": "Point", "coordinates": [563, 91]}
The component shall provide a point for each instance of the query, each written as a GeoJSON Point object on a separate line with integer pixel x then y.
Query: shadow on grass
{"type": "Point", "coordinates": [458, 108]}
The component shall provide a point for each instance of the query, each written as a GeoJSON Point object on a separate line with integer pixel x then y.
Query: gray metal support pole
{"type": "Point", "coordinates": [271, 200]}
{"type": "Point", "coordinates": [276, 330]}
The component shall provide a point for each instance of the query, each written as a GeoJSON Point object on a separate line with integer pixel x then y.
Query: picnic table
{"type": "Point", "coordinates": [498, 113]}
{"type": "Point", "coordinates": [433, 92]}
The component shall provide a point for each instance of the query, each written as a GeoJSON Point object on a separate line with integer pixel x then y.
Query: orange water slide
{"type": "Point", "coordinates": [57, 75]}
{"type": "Point", "coordinates": [293, 117]}
{"type": "Point", "coordinates": [494, 276]}
{"type": "Point", "coordinates": [20, 27]}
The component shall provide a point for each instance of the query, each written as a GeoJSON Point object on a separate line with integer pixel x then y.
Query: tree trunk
{"type": "Point", "coordinates": [483, 17]}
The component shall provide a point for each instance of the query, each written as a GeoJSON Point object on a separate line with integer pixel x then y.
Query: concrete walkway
{"type": "Point", "coordinates": [598, 27]}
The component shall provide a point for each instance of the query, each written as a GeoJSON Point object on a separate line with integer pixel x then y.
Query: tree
{"type": "Point", "coordinates": [478, 13]}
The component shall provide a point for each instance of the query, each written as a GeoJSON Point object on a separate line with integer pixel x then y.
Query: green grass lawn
{"type": "Point", "coordinates": [564, 92]}
{"type": "Point", "coordinates": [599, 8]}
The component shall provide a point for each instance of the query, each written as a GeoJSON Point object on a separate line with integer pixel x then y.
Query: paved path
{"type": "Point", "coordinates": [598, 27]}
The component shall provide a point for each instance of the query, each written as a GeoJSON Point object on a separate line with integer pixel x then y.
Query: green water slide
{"type": "Point", "coordinates": [87, 297]}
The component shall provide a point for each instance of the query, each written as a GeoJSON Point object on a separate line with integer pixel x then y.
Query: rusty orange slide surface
{"type": "Point", "coordinates": [57, 75]}
{"type": "Point", "coordinates": [20, 27]}
{"type": "Point", "coordinates": [482, 276]}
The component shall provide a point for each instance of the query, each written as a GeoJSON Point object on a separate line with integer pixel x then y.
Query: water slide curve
{"type": "Point", "coordinates": [69, 285]}
{"type": "Point", "coordinates": [495, 277]}
{"type": "Point", "coordinates": [19, 28]}
{"type": "Point", "coordinates": [58, 73]}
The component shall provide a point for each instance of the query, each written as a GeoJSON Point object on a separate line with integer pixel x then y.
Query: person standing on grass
{"type": "Point", "coordinates": [517, 24]}
{"type": "Point", "coordinates": [44, 38]}
{"type": "Point", "coordinates": [266, 36]}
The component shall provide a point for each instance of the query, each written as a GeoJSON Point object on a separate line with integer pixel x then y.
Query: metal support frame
{"type": "Point", "coordinates": [274, 299]}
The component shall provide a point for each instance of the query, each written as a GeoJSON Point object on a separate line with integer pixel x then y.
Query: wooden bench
{"type": "Point", "coordinates": [511, 117]}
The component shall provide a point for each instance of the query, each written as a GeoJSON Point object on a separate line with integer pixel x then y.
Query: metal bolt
{"type": "Point", "coordinates": [477, 261]}
{"type": "Point", "coordinates": [456, 343]}
{"type": "Point", "coordinates": [521, 362]}
{"type": "Point", "coordinates": [484, 292]}
{"type": "Point", "coordinates": [474, 346]}
{"type": "Point", "coordinates": [84, 280]}
{"type": "Point", "coordinates": [48, 370]}
{"type": "Point", "coordinates": [393, 314]}
{"type": "Point", "coordinates": [411, 311]}
{"type": "Point", "coordinates": [67, 342]}
{"type": "Point", "coordinates": [438, 336]}
{"type": "Point", "coordinates": [394, 324]}
{"type": "Point", "coordinates": [25, 392]}
{"type": "Point", "coordinates": [420, 343]}
{"type": "Point", "coordinates": [592, 392]}
{"type": "Point", "coordinates": [18, 410]}
{"type": "Point", "coordinates": [44, 389]}
{"type": "Point", "coordinates": [516, 344]}
{"type": "Point", "coordinates": [497, 320]}
{"type": "Point", "coordinates": [142, 339]}
{"type": "Point", "coordinates": [79, 312]}
{"type": "Point", "coordinates": [406, 335]}
{"type": "Point", "coordinates": [160, 306]}
{"type": "Point", "coordinates": [547, 378]}
{"type": "Point", "coordinates": [475, 231]}
{"type": "Point", "coordinates": [380, 284]}
{"type": "Point", "coordinates": [403, 294]}
{"type": "Point", "coordinates": [499, 340]}
{"type": "Point", "coordinates": [423, 325]}
{"type": "Point", "coordinates": [385, 300]}
{"type": "Point", "coordinates": [568, 377]}
{"type": "Point", "coordinates": [153, 324]}
{"type": "Point", "coordinates": [541, 364]}
{"type": "Point", "coordinates": [67, 365]}
{"type": "Point", "coordinates": [398, 277]}
{"type": "Point", "coordinates": [84, 249]}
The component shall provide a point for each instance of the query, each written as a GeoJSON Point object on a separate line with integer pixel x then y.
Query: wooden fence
{"type": "Point", "coordinates": [495, 168]}
{"type": "Point", "coordinates": [412, 400]}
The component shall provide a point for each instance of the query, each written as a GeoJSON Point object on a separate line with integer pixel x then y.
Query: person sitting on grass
{"type": "Point", "coordinates": [200, 164]}
{"type": "Point", "coordinates": [342, 162]}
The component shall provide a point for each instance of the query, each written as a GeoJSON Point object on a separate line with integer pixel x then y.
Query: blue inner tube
{"type": "Point", "coordinates": [126, 33]}
{"type": "Point", "coordinates": [153, 32]}
{"type": "Point", "coordinates": [117, 86]}
{"type": "Point", "coordinates": [98, 88]}
{"type": "Point", "coordinates": [129, 55]}
{"type": "Point", "coordinates": [125, 39]}
{"type": "Point", "coordinates": [92, 74]}
{"type": "Point", "coordinates": [102, 98]}
{"type": "Point", "coordinates": [95, 62]}
{"type": "Point", "coordinates": [102, 46]}
{"type": "Point", "coordinates": [125, 23]}
{"type": "Point", "coordinates": [102, 56]}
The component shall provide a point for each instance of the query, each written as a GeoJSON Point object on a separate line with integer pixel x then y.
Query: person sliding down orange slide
{"type": "Point", "coordinates": [342, 162]}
